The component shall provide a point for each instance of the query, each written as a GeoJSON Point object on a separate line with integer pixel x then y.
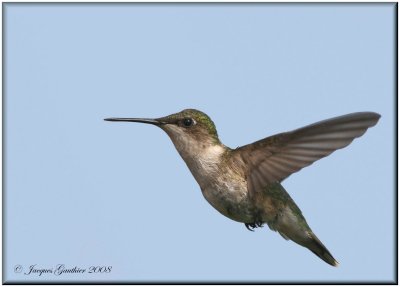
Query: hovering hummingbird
{"type": "Point", "coordinates": [244, 184]}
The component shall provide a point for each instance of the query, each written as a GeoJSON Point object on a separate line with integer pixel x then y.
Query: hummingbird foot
{"type": "Point", "coordinates": [251, 226]}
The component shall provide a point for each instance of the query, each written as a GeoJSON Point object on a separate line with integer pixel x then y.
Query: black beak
{"type": "Point", "coordinates": [137, 120]}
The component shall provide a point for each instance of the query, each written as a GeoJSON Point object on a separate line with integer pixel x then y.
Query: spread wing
{"type": "Point", "coordinates": [274, 158]}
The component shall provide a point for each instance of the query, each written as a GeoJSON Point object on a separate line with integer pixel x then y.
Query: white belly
{"type": "Point", "coordinates": [224, 189]}
{"type": "Point", "coordinates": [230, 200]}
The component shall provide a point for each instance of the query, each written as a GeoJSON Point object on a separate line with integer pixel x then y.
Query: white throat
{"type": "Point", "coordinates": [202, 158]}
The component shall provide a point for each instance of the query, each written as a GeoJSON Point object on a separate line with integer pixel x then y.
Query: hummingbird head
{"type": "Point", "coordinates": [189, 130]}
{"type": "Point", "coordinates": [190, 125]}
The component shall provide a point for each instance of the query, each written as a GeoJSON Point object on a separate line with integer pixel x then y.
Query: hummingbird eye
{"type": "Point", "coordinates": [187, 122]}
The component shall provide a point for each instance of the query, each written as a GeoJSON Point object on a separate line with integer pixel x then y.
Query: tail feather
{"type": "Point", "coordinates": [316, 246]}
{"type": "Point", "coordinates": [308, 239]}
{"type": "Point", "coordinates": [291, 224]}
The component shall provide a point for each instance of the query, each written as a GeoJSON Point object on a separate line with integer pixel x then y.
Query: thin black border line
{"type": "Point", "coordinates": [113, 282]}
{"type": "Point", "coordinates": [204, 3]}
{"type": "Point", "coordinates": [3, 196]}
{"type": "Point", "coordinates": [396, 112]}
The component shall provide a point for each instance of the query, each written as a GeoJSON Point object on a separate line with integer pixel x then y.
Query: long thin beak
{"type": "Point", "coordinates": [136, 120]}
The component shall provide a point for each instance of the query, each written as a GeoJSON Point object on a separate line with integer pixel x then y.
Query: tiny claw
{"type": "Point", "coordinates": [251, 226]}
{"type": "Point", "coordinates": [247, 226]}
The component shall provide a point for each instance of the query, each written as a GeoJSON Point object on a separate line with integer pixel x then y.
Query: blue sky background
{"type": "Point", "coordinates": [80, 191]}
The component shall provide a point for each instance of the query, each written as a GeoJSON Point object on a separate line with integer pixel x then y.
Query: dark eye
{"type": "Point", "coordinates": [187, 122]}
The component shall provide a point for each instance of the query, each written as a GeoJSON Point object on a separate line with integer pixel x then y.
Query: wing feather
{"type": "Point", "coordinates": [274, 158]}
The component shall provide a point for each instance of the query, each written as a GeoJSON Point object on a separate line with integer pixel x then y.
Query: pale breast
{"type": "Point", "coordinates": [226, 191]}
{"type": "Point", "coordinates": [223, 187]}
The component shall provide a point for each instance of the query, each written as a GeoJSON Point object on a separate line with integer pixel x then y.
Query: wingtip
{"type": "Point", "coordinates": [376, 117]}
{"type": "Point", "coordinates": [371, 117]}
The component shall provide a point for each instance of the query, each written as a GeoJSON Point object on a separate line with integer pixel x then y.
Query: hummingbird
{"type": "Point", "coordinates": [245, 183]}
